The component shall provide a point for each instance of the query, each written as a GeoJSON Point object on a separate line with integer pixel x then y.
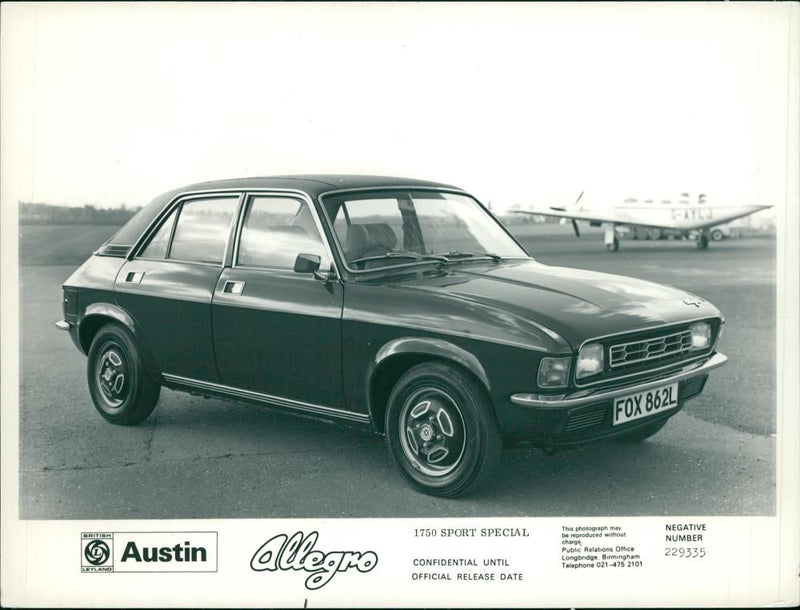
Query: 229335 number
{"type": "Point", "coordinates": [685, 552]}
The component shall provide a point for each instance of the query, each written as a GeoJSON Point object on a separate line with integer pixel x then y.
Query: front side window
{"type": "Point", "coordinates": [275, 230]}
{"type": "Point", "coordinates": [398, 226]}
{"type": "Point", "coordinates": [202, 230]}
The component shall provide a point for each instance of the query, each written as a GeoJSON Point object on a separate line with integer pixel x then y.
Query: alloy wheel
{"type": "Point", "coordinates": [112, 374]}
{"type": "Point", "coordinates": [433, 435]}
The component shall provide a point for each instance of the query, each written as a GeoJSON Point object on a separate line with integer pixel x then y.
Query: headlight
{"type": "Point", "coordinates": [701, 336]}
{"type": "Point", "coordinates": [590, 361]}
{"type": "Point", "coordinates": [553, 372]}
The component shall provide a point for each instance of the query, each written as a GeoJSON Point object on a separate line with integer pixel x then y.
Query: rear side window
{"type": "Point", "coordinates": [202, 230]}
{"type": "Point", "coordinates": [276, 230]}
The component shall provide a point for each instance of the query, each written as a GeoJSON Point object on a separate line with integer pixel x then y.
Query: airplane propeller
{"type": "Point", "coordinates": [575, 222]}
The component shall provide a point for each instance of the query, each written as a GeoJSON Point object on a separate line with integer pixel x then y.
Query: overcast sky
{"type": "Point", "coordinates": [521, 104]}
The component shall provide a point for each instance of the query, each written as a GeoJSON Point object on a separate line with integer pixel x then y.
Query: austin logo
{"type": "Point", "coordinates": [282, 553]}
{"type": "Point", "coordinates": [149, 552]}
{"type": "Point", "coordinates": [96, 552]}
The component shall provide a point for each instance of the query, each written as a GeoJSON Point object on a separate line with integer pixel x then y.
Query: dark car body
{"type": "Point", "coordinates": [328, 339]}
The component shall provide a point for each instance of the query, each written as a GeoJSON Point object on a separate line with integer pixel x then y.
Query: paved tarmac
{"type": "Point", "coordinates": [201, 458]}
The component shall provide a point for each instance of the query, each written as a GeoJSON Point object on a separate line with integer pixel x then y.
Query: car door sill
{"type": "Point", "coordinates": [288, 403]}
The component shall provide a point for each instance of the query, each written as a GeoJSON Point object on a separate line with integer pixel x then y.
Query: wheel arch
{"type": "Point", "coordinates": [98, 315]}
{"type": "Point", "coordinates": [400, 355]}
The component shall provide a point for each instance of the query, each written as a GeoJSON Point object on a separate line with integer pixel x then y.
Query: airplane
{"type": "Point", "coordinates": [684, 216]}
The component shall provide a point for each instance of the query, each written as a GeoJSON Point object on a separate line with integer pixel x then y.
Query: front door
{"type": "Point", "coordinates": [277, 332]}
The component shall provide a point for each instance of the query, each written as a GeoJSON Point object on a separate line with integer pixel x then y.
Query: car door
{"type": "Point", "coordinates": [168, 286]}
{"type": "Point", "coordinates": [277, 332]}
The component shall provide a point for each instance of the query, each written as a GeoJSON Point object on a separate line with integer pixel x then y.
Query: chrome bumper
{"type": "Point", "coordinates": [587, 397]}
{"type": "Point", "coordinates": [63, 325]}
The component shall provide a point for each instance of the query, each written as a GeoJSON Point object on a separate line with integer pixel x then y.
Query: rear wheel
{"type": "Point", "coordinates": [441, 431]}
{"type": "Point", "coordinates": [717, 235]}
{"type": "Point", "coordinates": [121, 389]}
{"type": "Point", "coordinates": [643, 433]}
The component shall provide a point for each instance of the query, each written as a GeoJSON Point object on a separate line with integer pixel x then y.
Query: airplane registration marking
{"type": "Point", "coordinates": [692, 214]}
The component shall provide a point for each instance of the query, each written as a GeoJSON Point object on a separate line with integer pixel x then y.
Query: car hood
{"type": "Point", "coordinates": [576, 304]}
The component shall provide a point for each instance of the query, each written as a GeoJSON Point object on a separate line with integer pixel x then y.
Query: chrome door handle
{"type": "Point", "coordinates": [234, 288]}
{"type": "Point", "coordinates": [134, 277]}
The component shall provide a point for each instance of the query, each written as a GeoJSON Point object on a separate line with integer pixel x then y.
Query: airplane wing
{"type": "Point", "coordinates": [686, 218]}
{"type": "Point", "coordinates": [730, 213]}
{"type": "Point", "coordinates": [607, 216]}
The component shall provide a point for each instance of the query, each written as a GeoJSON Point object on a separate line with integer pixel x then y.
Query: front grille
{"type": "Point", "coordinates": [656, 348]}
{"type": "Point", "coordinates": [586, 419]}
{"type": "Point", "coordinates": [692, 387]}
{"type": "Point", "coordinates": [647, 354]}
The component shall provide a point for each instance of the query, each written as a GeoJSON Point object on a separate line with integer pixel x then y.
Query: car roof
{"type": "Point", "coordinates": [313, 184]}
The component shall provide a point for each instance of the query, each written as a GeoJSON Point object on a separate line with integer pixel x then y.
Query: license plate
{"type": "Point", "coordinates": [635, 406]}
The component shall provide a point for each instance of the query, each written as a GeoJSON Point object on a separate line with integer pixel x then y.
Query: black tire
{"type": "Point", "coordinates": [717, 235]}
{"type": "Point", "coordinates": [643, 433]}
{"type": "Point", "coordinates": [702, 242]}
{"type": "Point", "coordinates": [122, 391]}
{"type": "Point", "coordinates": [441, 431]}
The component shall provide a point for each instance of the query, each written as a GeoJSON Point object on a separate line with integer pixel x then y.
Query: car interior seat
{"type": "Point", "coordinates": [369, 239]}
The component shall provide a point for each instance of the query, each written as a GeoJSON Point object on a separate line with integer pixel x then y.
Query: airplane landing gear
{"type": "Point", "coordinates": [610, 237]}
{"type": "Point", "coordinates": [702, 241]}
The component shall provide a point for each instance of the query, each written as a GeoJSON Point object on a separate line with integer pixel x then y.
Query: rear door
{"type": "Point", "coordinates": [168, 286]}
{"type": "Point", "coordinates": [278, 332]}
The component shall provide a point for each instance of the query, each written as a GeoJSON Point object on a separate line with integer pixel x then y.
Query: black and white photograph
{"type": "Point", "coordinates": [367, 304]}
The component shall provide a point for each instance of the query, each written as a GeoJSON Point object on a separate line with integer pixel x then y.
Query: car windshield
{"type": "Point", "coordinates": [392, 227]}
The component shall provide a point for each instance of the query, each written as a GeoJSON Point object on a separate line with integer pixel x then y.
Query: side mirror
{"type": "Point", "coordinates": [306, 263]}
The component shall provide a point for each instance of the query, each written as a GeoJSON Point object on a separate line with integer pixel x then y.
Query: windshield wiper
{"type": "Point", "coordinates": [402, 254]}
{"type": "Point", "coordinates": [462, 254]}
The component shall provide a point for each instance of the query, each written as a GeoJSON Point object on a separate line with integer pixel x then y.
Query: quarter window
{"type": "Point", "coordinates": [157, 248]}
{"type": "Point", "coordinates": [202, 230]}
{"type": "Point", "coordinates": [276, 230]}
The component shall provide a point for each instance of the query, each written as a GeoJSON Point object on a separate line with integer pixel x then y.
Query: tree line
{"type": "Point", "coordinates": [45, 213]}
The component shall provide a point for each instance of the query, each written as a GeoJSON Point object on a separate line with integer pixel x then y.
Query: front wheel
{"type": "Point", "coordinates": [121, 389]}
{"type": "Point", "coordinates": [441, 430]}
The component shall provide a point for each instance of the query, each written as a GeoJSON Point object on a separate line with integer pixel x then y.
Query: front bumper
{"type": "Point", "coordinates": [586, 415]}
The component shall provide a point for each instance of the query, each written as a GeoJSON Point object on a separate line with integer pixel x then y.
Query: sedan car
{"type": "Point", "coordinates": [398, 305]}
